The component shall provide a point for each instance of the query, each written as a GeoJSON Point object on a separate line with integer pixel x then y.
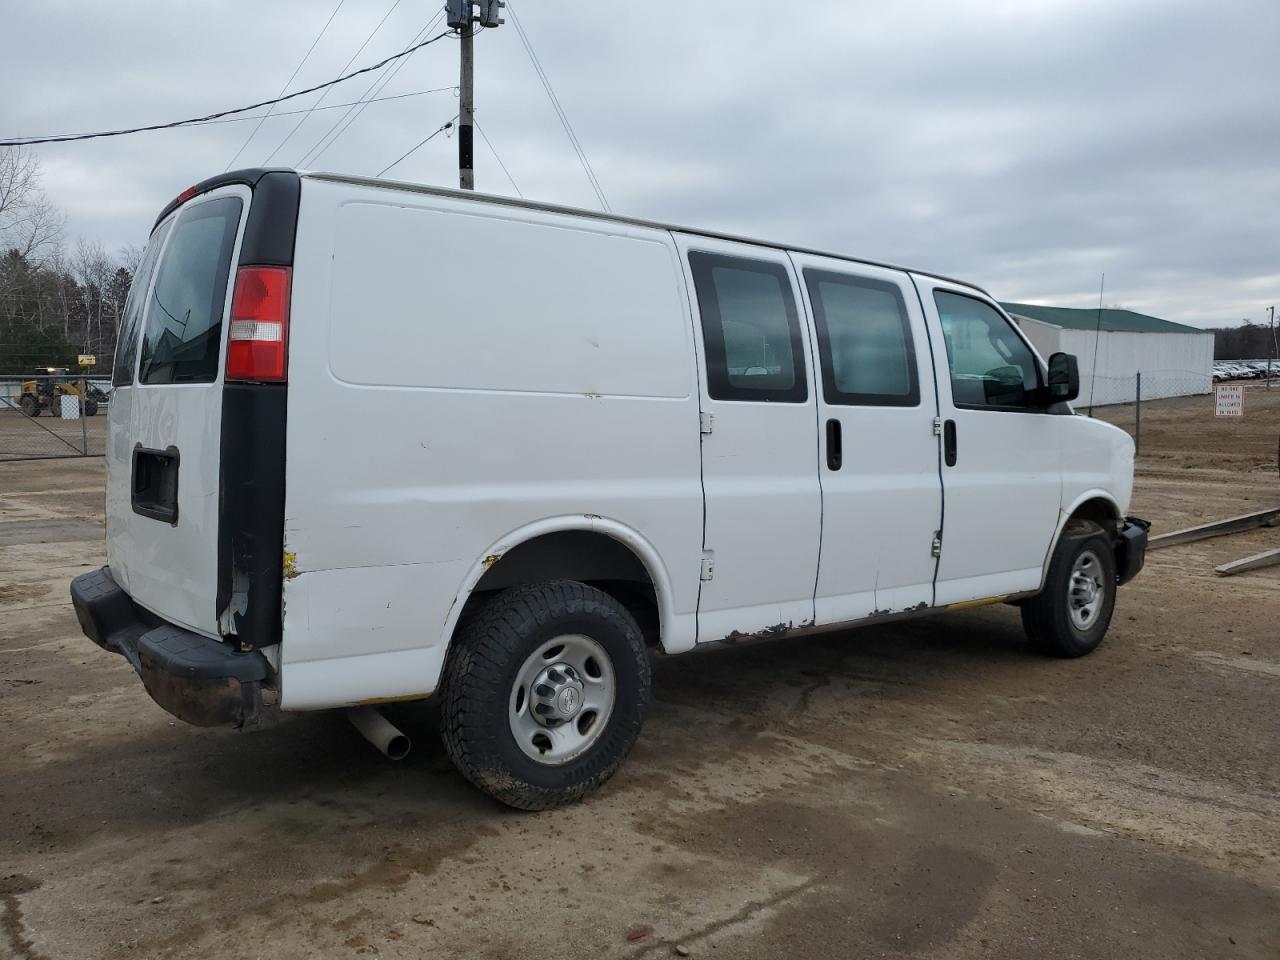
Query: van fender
{"type": "Point", "coordinates": [1095, 493]}
{"type": "Point", "coordinates": [672, 638]}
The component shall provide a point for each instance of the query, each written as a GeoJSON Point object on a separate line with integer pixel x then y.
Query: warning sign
{"type": "Point", "coordinates": [1228, 400]}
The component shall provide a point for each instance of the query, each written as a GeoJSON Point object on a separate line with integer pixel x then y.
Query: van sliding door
{"type": "Point", "coordinates": [759, 441]}
{"type": "Point", "coordinates": [881, 494]}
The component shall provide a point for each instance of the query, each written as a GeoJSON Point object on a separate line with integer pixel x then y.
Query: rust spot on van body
{"type": "Point", "coordinates": [290, 565]}
{"type": "Point", "coordinates": [737, 636]}
{"type": "Point", "coordinates": [491, 559]}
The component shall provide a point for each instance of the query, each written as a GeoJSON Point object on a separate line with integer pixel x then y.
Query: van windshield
{"type": "Point", "coordinates": [184, 313]}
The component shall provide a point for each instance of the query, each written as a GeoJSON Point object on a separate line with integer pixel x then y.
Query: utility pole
{"type": "Point", "coordinates": [460, 17]}
{"type": "Point", "coordinates": [1271, 356]}
{"type": "Point", "coordinates": [466, 107]}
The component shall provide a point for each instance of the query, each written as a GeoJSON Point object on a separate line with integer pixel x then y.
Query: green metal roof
{"type": "Point", "coordinates": [1113, 321]}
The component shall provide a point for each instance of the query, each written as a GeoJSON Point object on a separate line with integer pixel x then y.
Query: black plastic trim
{"type": "Point", "coordinates": [251, 510]}
{"type": "Point", "coordinates": [249, 177]}
{"type": "Point", "coordinates": [273, 220]}
{"type": "Point", "coordinates": [251, 448]}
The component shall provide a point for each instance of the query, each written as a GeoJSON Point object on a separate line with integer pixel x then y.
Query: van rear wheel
{"type": "Point", "coordinates": [544, 693]}
{"type": "Point", "coordinates": [1070, 616]}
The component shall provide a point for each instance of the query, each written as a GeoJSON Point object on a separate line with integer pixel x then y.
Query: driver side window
{"type": "Point", "coordinates": [990, 364]}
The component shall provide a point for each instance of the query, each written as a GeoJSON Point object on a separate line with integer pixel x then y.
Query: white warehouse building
{"type": "Point", "coordinates": [1174, 360]}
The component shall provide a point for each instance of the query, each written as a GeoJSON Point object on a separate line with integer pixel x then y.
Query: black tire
{"type": "Point", "coordinates": [481, 672]}
{"type": "Point", "coordinates": [29, 405]}
{"type": "Point", "coordinates": [1047, 618]}
{"type": "Point", "coordinates": [91, 408]}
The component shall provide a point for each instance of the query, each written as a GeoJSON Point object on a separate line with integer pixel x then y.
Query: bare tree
{"type": "Point", "coordinates": [130, 258]}
{"type": "Point", "coordinates": [92, 269]}
{"type": "Point", "coordinates": [29, 222]}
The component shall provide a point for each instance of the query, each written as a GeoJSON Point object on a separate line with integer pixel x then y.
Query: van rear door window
{"type": "Point", "coordinates": [131, 321]}
{"type": "Point", "coordinates": [750, 328]}
{"type": "Point", "coordinates": [184, 314]}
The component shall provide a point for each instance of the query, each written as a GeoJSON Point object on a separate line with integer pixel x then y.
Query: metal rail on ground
{"type": "Point", "coordinates": [1217, 528]}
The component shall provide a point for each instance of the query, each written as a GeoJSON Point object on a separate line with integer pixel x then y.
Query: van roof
{"type": "Point", "coordinates": [251, 176]}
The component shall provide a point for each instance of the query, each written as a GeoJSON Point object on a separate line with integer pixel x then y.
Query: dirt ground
{"type": "Point", "coordinates": [928, 789]}
{"type": "Point", "coordinates": [45, 436]}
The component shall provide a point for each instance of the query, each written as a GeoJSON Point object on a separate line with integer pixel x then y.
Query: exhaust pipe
{"type": "Point", "coordinates": [379, 731]}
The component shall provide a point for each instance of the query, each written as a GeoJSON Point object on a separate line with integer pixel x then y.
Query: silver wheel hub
{"type": "Point", "coordinates": [557, 695]}
{"type": "Point", "coordinates": [562, 699]}
{"type": "Point", "coordinates": [1085, 590]}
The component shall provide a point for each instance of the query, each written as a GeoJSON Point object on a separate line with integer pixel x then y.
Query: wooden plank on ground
{"type": "Point", "coordinates": [1218, 528]}
{"type": "Point", "coordinates": [1267, 558]}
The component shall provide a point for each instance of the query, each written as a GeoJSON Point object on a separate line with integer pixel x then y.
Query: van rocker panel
{"type": "Point", "coordinates": [195, 678]}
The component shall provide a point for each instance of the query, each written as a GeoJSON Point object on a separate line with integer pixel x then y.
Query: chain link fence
{"type": "Point", "coordinates": [1121, 396]}
{"type": "Point", "coordinates": [52, 415]}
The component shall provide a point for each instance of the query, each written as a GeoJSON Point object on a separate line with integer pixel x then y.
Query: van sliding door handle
{"type": "Point", "coordinates": [949, 443]}
{"type": "Point", "coordinates": [835, 455]}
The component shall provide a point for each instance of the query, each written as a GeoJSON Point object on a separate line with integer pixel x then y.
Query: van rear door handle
{"type": "Point", "coordinates": [949, 443]}
{"type": "Point", "coordinates": [835, 455]}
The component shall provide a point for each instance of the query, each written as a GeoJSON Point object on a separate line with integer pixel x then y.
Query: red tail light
{"type": "Point", "coordinates": [259, 334]}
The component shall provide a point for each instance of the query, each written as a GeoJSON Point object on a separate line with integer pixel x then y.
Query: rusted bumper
{"type": "Point", "coordinates": [197, 679]}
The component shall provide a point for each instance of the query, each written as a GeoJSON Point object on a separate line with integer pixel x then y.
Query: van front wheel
{"type": "Point", "coordinates": [544, 693]}
{"type": "Point", "coordinates": [1070, 616]}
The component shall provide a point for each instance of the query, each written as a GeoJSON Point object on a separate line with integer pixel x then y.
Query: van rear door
{"type": "Point", "coordinates": [163, 458]}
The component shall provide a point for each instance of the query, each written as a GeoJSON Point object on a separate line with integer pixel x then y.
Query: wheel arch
{"type": "Point", "coordinates": [1096, 505]}
{"type": "Point", "coordinates": [575, 547]}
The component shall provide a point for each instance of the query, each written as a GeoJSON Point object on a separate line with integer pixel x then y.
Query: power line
{"type": "Point", "coordinates": [340, 125]}
{"type": "Point", "coordinates": [376, 28]}
{"type": "Point", "coordinates": [64, 138]}
{"type": "Point", "coordinates": [370, 94]}
{"type": "Point", "coordinates": [438, 130]}
{"type": "Point", "coordinates": [555, 104]}
{"type": "Point", "coordinates": [253, 133]}
{"type": "Point", "coordinates": [335, 106]}
{"type": "Point", "coordinates": [485, 137]}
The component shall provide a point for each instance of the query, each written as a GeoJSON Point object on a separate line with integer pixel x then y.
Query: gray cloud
{"type": "Point", "coordinates": [1028, 146]}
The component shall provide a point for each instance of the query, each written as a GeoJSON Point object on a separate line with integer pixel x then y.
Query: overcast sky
{"type": "Point", "coordinates": [1026, 145]}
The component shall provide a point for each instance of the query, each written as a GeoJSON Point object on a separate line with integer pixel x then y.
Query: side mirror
{"type": "Point", "coordinates": [1064, 378]}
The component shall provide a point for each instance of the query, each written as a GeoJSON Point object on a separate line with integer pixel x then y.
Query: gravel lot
{"type": "Point", "coordinates": [930, 788]}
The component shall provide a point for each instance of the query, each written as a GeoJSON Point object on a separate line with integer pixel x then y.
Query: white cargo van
{"type": "Point", "coordinates": [373, 441]}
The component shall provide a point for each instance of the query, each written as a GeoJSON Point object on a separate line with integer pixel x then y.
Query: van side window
{"type": "Point", "coordinates": [990, 364]}
{"type": "Point", "coordinates": [864, 340]}
{"type": "Point", "coordinates": [131, 321]}
{"type": "Point", "coordinates": [751, 329]}
{"type": "Point", "coordinates": [183, 339]}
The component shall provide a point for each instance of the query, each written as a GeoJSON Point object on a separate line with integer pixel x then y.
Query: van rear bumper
{"type": "Point", "coordinates": [199, 680]}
